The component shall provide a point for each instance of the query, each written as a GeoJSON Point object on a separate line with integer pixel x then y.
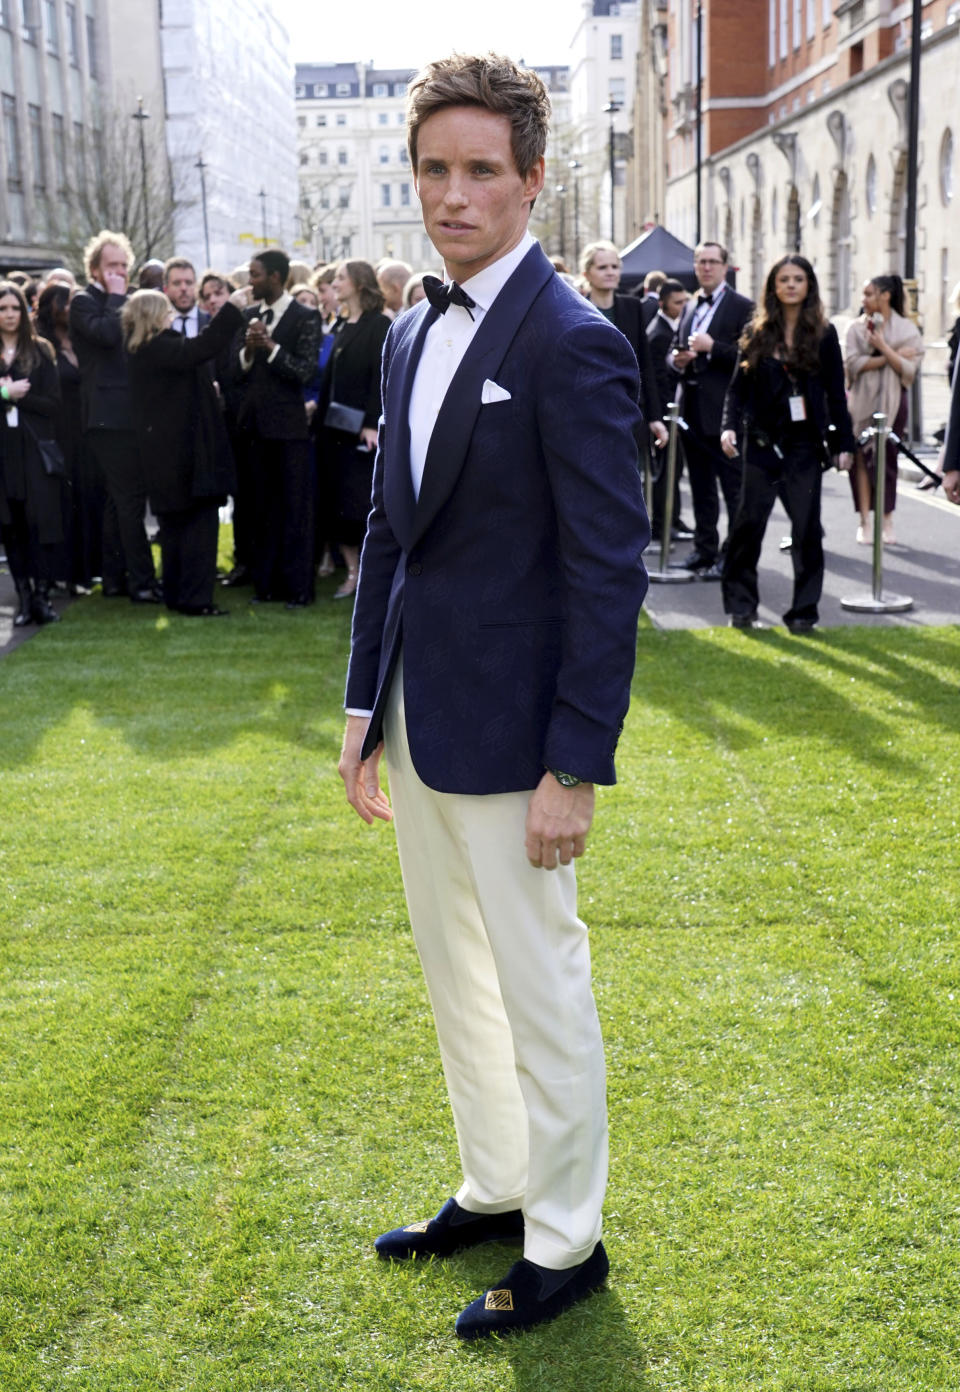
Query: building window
{"type": "Point", "coordinates": [815, 203]}
{"type": "Point", "coordinates": [322, 157]}
{"type": "Point", "coordinates": [341, 155]}
{"type": "Point", "coordinates": [384, 195]}
{"type": "Point", "coordinates": [324, 199]}
{"type": "Point", "coordinates": [405, 195]}
{"type": "Point", "coordinates": [618, 90]}
{"type": "Point", "coordinates": [341, 118]}
{"type": "Point", "coordinates": [784, 26]}
{"type": "Point", "coordinates": [320, 89]}
{"type": "Point", "coordinates": [36, 148]}
{"type": "Point", "coordinates": [92, 48]}
{"type": "Point", "coordinates": [53, 34]}
{"type": "Point", "coordinates": [301, 121]}
{"type": "Point", "coordinates": [772, 23]}
{"type": "Point", "coordinates": [29, 20]}
{"type": "Point", "coordinates": [344, 198]}
{"type": "Point", "coordinates": [304, 157]}
{"type": "Point", "coordinates": [797, 22]}
{"type": "Point", "coordinates": [811, 18]}
{"type": "Point", "coordinates": [946, 168]}
{"type": "Point", "coordinates": [774, 212]}
{"type": "Point", "coordinates": [343, 89]}
{"type": "Point", "coordinates": [301, 90]}
{"type": "Point", "coordinates": [402, 156]}
{"type": "Point", "coordinates": [827, 13]}
{"type": "Point", "coordinates": [73, 34]}
{"type": "Point", "coordinates": [321, 119]}
{"type": "Point", "coordinates": [616, 46]}
{"type": "Point", "coordinates": [399, 89]}
{"type": "Point", "coordinates": [871, 188]}
{"type": "Point", "coordinates": [4, 14]}
{"type": "Point", "coordinates": [383, 118]}
{"type": "Point", "coordinates": [11, 136]}
{"type": "Point", "coordinates": [384, 154]}
{"type": "Point", "coordinates": [380, 89]}
{"type": "Point", "coordinates": [400, 118]}
{"type": "Point", "coordinates": [59, 153]}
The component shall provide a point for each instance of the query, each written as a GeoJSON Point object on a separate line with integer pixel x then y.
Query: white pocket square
{"type": "Point", "coordinates": [491, 392]}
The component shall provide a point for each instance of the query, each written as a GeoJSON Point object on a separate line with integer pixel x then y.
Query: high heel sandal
{"type": "Point", "coordinates": [349, 586]}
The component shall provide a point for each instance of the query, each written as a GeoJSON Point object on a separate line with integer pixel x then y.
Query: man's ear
{"type": "Point", "coordinates": [534, 179]}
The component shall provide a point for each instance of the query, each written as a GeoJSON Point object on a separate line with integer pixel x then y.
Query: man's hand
{"type": "Point", "coordinates": [660, 433]}
{"type": "Point", "coordinates": [951, 485]}
{"type": "Point", "coordinates": [701, 342]}
{"type": "Point", "coordinates": [682, 358]}
{"type": "Point", "coordinates": [114, 283]}
{"type": "Point", "coordinates": [558, 820]}
{"type": "Point", "coordinates": [361, 778]}
{"type": "Point", "coordinates": [728, 443]}
{"type": "Point", "coordinates": [845, 461]}
{"type": "Point", "coordinates": [256, 336]}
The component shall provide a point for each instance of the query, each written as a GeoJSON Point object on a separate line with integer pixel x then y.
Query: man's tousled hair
{"type": "Point", "coordinates": [93, 251]}
{"type": "Point", "coordinates": [493, 83]}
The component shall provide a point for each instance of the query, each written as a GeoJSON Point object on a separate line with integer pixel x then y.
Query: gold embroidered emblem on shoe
{"type": "Point", "coordinates": [418, 1227]}
{"type": "Point", "coordinates": [499, 1300]}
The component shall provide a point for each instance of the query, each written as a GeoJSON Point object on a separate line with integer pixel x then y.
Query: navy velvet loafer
{"type": "Point", "coordinates": [453, 1230]}
{"type": "Point", "coordinates": [529, 1295]}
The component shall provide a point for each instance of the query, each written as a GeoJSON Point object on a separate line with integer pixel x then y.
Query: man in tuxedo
{"type": "Point", "coordinates": [492, 651]}
{"type": "Point", "coordinates": [107, 416]}
{"type": "Point", "coordinates": [661, 329]}
{"type": "Point", "coordinates": [277, 356]}
{"type": "Point", "coordinates": [704, 356]}
{"type": "Point", "coordinates": [649, 297]}
{"type": "Point", "coordinates": [180, 288]}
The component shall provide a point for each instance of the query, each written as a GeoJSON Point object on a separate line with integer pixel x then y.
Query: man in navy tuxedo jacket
{"type": "Point", "coordinates": [492, 652]}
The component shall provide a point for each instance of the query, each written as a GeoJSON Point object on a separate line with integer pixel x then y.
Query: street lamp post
{"type": "Point", "coordinates": [263, 215]}
{"type": "Point", "coordinates": [913, 160]}
{"type": "Point", "coordinates": [140, 116]}
{"type": "Point", "coordinates": [574, 166]}
{"type": "Point", "coordinates": [561, 194]}
{"type": "Point", "coordinates": [612, 107]}
{"type": "Point", "coordinates": [203, 203]}
{"type": "Point", "coordinates": [699, 156]}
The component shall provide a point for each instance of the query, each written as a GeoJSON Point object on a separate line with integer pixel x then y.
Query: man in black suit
{"type": "Point", "coordinates": [107, 417]}
{"type": "Point", "coordinates": [663, 326]}
{"type": "Point", "coordinates": [180, 288]}
{"type": "Point", "coordinates": [704, 356]}
{"type": "Point", "coordinates": [649, 298]}
{"type": "Point", "coordinates": [277, 357]}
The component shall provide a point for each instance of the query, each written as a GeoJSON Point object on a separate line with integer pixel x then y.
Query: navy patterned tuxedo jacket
{"type": "Point", "coordinates": [515, 580]}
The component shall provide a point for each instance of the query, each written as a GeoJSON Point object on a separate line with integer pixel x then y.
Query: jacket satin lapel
{"type": "Point", "coordinates": [461, 405]}
{"type": "Point", "coordinates": [398, 500]}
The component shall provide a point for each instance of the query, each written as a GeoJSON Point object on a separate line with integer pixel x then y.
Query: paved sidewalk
{"type": "Point", "coordinates": [11, 637]}
{"type": "Point", "coordinates": [924, 564]}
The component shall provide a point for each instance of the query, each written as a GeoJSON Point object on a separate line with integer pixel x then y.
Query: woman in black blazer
{"type": "Point", "coordinates": [31, 487]}
{"type": "Point", "coordinates": [351, 378]}
{"type": "Point", "coordinates": [186, 456]}
{"type": "Point", "coordinates": [600, 266]}
{"type": "Point", "coordinates": [787, 390]}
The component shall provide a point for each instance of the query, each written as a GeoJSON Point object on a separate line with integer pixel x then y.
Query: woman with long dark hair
{"type": "Point", "coordinates": [351, 380]}
{"type": "Point", "coordinates": [882, 358]}
{"type": "Point", "coordinates": [31, 482]}
{"type": "Point", "coordinates": [185, 451]}
{"type": "Point", "coordinates": [786, 392]}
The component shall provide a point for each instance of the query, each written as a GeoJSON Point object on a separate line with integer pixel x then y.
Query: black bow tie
{"type": "Point", "coordinates": [443, 296]}
{"type": "Point", "coordinates": [704, 299]}
{"type": "Point", "coordinates": [267, 317]}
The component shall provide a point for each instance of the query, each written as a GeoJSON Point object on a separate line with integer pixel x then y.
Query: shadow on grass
{"type": "Point", "coordinates": [174, 686]}
{"type": "Point", "coordinates": [824, 686]}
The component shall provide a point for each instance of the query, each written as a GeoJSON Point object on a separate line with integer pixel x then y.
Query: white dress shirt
{"type": "Point", "coordinates": [703, 314]}
{"type": "Point", "coordinates": [444, 347]}
{"type": "Point", "coordinates": [186, 323]}
{"type": "Point", "coordinates": [276, 311]}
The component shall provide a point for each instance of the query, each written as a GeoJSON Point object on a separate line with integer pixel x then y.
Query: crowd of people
{"type": "Point", "coordinates": [131, 416]}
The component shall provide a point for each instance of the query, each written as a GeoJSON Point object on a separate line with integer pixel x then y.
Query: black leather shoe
{"type": "Point", "coordinates": [40, 607]}
{"type": "Point", "coordinates": [710, 572]}
{"type": "Point", "coordinates": [746, 621]}
{"type": "Point", "coordinates": [529, 1295]}
{"type": "Point", "coordinates": [240, 575]}
{"type": "Point", "coordinates": [298, 602]}
{"type": "Point", "coordinates": [453, 1230]}
{"type": "Point", "coordinates": [802, 625]}
{"type": "Point", "coordinates": [681, 531]}
{"type": "Point", "coordinates": [24, 614]}
{"type": "Point", "coordinates": [110, 591]}
{"type": "Point", "coordinates": [202, 611]}
{"type": "Point", "coordinates": [696, 561]}
{"type": "Point", "coordinates": [148, 595]}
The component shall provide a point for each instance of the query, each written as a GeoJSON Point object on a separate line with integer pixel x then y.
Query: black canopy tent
{"type": "Point", "coordinates": [660, 250]}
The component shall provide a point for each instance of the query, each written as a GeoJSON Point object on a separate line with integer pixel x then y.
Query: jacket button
{"type": "Point", "coordinates": [414, 568]}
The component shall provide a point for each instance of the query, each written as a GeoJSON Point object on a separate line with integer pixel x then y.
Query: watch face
{"type": "Point", "coordinates": [566, 780]}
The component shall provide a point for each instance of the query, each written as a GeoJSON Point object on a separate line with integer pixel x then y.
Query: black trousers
{"type": "Point", "coordinates": [283, 544]}
{"type": "Point", "coordinates": [188, 549]}
{"type": "Point", "coordinates": [27, 557]}
{"type": "Point", "coordinates": [707, 465]}
{"type": "Point", "coordinates": [796, 480]}
{"type": "Point", "coordinates": [125, 545]}
{"type": "Point", "coordinates": [244, 496]}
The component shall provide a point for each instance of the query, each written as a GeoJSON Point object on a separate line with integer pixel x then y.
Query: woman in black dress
{"type": "Point", "coordinates": [31, 480]}
{"type": "Point", "coordinates": [352, 379]}
{"type": "Point", "coordinates": [187, 460]}
{"type": "Point", "coordinates": [788, 389]}
{"type": "Point", "coordinates": [84, 496]}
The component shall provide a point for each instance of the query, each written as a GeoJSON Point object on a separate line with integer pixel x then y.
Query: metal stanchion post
{"type": "Point", "coordinates": [666, 576]}
{"type": "Point", "coordinates": [878, 602]}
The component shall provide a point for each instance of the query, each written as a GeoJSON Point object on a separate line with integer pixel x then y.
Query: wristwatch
{"type": "Point", "coordinates": [566, 780]}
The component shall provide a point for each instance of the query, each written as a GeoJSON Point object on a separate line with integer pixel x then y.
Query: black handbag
{"type": "Point", "coordinates": [349, 419]}
{"type": "Point", "coordinates": [51, 455]}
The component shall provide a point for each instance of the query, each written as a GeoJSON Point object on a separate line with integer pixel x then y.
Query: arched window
{"type": "Point", "coordinates": [946, 168]}
{"type": "Point", "coordinates": [871, 186]}
{"type": "Point", "coordinates": [842, 246]}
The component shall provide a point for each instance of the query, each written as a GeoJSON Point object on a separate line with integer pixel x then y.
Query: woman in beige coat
{"type": "Point", "coordinates": [882, 358]}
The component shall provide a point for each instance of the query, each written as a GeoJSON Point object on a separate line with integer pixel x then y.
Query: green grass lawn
{"type": "Point", "coordinates": [219, 1080]}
